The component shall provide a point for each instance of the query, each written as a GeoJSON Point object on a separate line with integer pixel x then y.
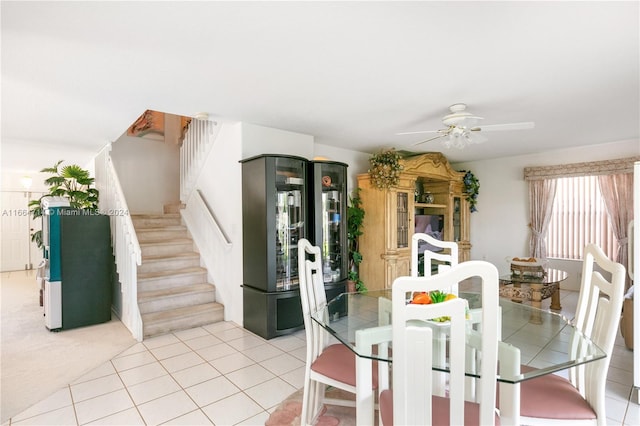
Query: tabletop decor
{"type": "Point", "coordinates": [385, 168]}
{"type": "Point", "coordinates": [530, 266]}
{"type": "Point", "coordinates": [436, 296]}
{"type": "Point", "coordinates": [472, 188]}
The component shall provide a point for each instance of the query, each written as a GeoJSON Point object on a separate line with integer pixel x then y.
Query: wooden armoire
{"type": "Point", "coordinates": [429, 195]}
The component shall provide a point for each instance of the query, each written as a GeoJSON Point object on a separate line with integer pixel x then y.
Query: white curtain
{"type": "Point", "coordinates": [542, 191]}
{"type": "Point", "coordinates": [617, 192]}
{"type": "Point", "coordinates": [541, 194]}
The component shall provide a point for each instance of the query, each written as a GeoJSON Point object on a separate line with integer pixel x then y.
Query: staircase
{"type": "Point", "coordinates": [173, 292]}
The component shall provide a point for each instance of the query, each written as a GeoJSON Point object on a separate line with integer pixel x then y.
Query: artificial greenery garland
{"type": "Point", "coordinates": [472, 188]}
{"type": "Point", "coordinates": [385, 168]}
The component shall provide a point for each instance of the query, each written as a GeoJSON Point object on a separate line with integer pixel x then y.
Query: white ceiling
{"type": "Point", "coordinates": [352, 74]}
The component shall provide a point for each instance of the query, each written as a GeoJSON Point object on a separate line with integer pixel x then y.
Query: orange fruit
{"type": "Point", "coordinates": [421, 298]}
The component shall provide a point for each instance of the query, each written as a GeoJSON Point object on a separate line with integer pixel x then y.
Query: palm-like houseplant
{"type": "Point", "coordinates": [71, 182]}
{"type": "Point", "coordinates": [355, 218]}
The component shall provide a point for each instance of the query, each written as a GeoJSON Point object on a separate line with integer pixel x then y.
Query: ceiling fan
{"type": "Point", "coordinates": [463, 128]}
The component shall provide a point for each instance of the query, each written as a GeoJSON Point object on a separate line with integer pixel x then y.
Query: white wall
{"type": "Point", "coordinates": [358, 161]}
{"type": "Point", "coordinates": [221, 185]}
{"type": "Point", "coordinates": [500, 226]}
{"type": "Point", "coordinates": [34, 156]}
{"type": "Point", "coordinates": [258, 140]}
{"type": "Point", "coordinates": [148, 171]}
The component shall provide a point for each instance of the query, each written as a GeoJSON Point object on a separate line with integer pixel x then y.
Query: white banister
{"type": "Point", "coordinates": [197, 144]}
{"type": "Point", "coordinates": [123, 238]}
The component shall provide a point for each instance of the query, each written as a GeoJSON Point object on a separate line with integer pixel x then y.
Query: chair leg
{"type": "Point", "coordinates": [306, 403]}
{"type": "Point", "coordinates": [312, 402]}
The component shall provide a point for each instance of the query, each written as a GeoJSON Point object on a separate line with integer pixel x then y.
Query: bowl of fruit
{"type": "Point", "coordinates": [436, 296]}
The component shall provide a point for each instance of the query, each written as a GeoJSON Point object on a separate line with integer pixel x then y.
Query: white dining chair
{"type": "Point", "coordinates": [326, 364]}
{"type": "Point", "coordinates": [552, 399]}
{"type": "Point", "coordinates": [411, 400]}
{"type": "Point", "coordinates": [447, 259]}
{"type": "Point", "coordinates": [445, 254]}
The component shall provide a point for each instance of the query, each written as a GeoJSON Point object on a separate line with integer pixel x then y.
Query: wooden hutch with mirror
{"type": "Point", "coordinates": [430, 198]}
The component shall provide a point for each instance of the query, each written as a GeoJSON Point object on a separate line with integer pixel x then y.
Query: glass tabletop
{"type": "Point", "coordinates": [550, 276]}
{"type": "Point", "coordinates": [552, 345]}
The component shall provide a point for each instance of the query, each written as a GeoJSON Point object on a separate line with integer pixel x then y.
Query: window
{"type": "Point", "coordinates": [579, 217]}
{"type": "Point", "coordinates": [567, 209]}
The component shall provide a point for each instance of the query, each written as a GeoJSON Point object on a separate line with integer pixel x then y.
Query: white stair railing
{"type": "Point", "coordinates": [123, 239]}
{"type": "Point", "coordinates": [197, 144]}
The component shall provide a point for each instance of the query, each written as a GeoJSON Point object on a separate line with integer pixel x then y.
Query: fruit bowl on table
{"type": "Point", "coordinates": [437, 296]}
{"type": "Point", "coordinates": [527, 266]}
{"type": "Point", "coordinates": [526, 261]}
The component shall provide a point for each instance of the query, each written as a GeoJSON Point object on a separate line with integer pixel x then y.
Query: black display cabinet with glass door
{"type": "Point", "coordinates": [327, 185]}
{"type": "Point", "coordinates": [274, 218]}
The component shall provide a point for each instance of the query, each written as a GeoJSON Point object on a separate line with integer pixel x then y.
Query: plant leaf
{"type": "Point", "coordinates": [55, 180]}
{"type": "Point", "coordinates": [73, 171]}
{"type": "Point", "coordinates": [53, 169]}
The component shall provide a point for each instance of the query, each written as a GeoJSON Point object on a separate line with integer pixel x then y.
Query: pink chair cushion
{"type": "Point", "coordinates": [440, 409]}
{"type": "Point", "coordinates": [339, 363]}
{"type": "Point", "coordinates": [553, 397]}
{"type": "Point", "coordinates": [385, 404]}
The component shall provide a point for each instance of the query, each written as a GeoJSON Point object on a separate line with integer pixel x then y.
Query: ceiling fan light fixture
{"type": "Point", "coordinates": [459, 125]}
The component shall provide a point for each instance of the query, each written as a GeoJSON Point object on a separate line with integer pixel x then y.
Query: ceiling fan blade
{"type": "Point", "coordinates": [430, 139]}
{"type": "Point", "coordinates": [418, 132]}
{"type": "Point", "coordinates": [508, 126]}
{"type": "Point", "coordinates": [477, 138]}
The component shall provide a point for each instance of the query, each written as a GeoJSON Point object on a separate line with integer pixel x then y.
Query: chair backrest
{"type": "Point", "coordinates": [598, 316]}
{"type": "Point", "coordinates": [312, 296]}
{"type": "Point", "coordinates": [451, 258]}
{"type": "Point", "coordinates": [412, 336]}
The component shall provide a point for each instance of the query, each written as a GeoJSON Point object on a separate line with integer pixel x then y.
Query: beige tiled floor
{"type": "Point", "coordinates": [219, 374]}
{"type": "Point", "coordinates": [224, 375]}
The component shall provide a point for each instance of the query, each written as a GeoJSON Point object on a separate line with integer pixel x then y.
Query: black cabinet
{"type": "Point", "coordinates": [79, 268]}
{"type": "Point", "coordinates": [327, 185]}
{"type": "Point", "coordinates": [274, 218]}
{"type": "Point", "coordinates": [86, 265]}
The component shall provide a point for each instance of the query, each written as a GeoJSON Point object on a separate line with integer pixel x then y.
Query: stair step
{"type": "Point", "coordinates": [169, 232]}
{"type": "Point", "coordinates": [175, 297]}
{"type": "Point", "coordinates": [173, 293]}
{"type": "Point", "coordinates": [173, 207]}
{"type": "Point", "coordinates": [156, 323]}
{"type": "Point", "coordinates": [159, 280]}
{"type": "Point", "coordinates": [166, 247]}
{"type": "Point", "coordinates": [189, 259]}
{"type": "Point", "coordinates": [154, 220]}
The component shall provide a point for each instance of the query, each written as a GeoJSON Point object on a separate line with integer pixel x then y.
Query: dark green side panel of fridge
{"type": "Point", "coordinates": [87, 269]}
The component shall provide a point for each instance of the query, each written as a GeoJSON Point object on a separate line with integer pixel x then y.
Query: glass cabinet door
{"type": "Point", "coordinates": [290, 219]}
{"type": "Point", "coordinates": [329, 187]}
{"type": "Point", "coordinates": [402, 215]}
{"type": "Point", "coordinates": [457, 220]}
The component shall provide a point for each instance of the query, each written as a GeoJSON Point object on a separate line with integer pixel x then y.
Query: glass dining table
{"type": "Point", "coordinates": [550, 344]}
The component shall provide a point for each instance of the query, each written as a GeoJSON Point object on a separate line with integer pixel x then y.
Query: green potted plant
{"type": "Point", "coordinates": [72, 182]}
{"type": "Point", "coordinates": [472, 189]}
{"type": "Point", "coordinates": [355, 218]}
